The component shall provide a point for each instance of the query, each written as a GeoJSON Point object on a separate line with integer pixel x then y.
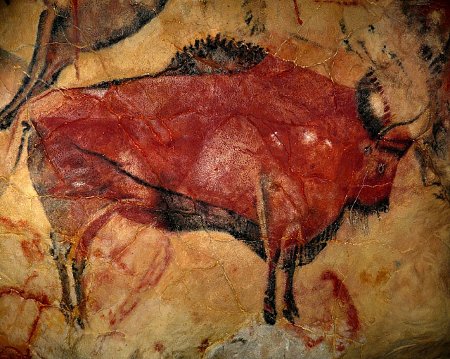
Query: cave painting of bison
{"type": "Point", "coordinates": [228, 138]}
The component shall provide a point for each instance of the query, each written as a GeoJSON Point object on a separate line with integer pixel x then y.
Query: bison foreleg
{"type": "Point", "coordinates": [290, 310]}
{"type": "Point", "coordinates": [281, 231]}
{"type": "Point", "coordinates": [271, 234]}
{"type": "Point", "coordinates": [270, 312]}
{"type": "Point", "coordinates": [77, 271]}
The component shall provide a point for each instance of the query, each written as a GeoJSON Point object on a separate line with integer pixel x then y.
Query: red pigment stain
{"type": "Point", "coordinates": [103, 337]}
{"type": "Point", "coordinates": [32, 251]}
{"type": "Point", "coordinates": [125, 309]}
{"type": "Point", "coordinates": [159, 263]}
{"type": "Point", "coordinates": [89, 234]}
{"type": "Point", "coordinates": [342, 294]}
{"type": "Point", "coordinates": [9, 352]}
{"type": "Point", "coordinates": [155, 272]}
{"type": "Point", "coordinates": [159, 347]}
{"type": "Point", "coordinates": [297, 13]}
{"type": "Point", "coordinates": [42, 302]}
{"type": "Point", "coordinates": [34, 275]}
{"type": "Point", "coordinates": [203, 345]}
{"type": "Point", "coordinates": [39, 298]}
{"type": "Point", "coordinates": [340, 347]}
{"type": "Point", "coordinates": [31, 248]}
{"type": "Point", "coordinates": [127, 210]}
{"type": "Point", "coordinates": [302, 334]}
{"type": "Point", "coordinates": [311, 343]}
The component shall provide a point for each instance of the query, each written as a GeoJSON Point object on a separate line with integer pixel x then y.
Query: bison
{"type": "Point", "coordinates": [227, 138]}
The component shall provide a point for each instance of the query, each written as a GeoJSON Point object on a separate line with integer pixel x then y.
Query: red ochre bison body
{"type": "Point", "coordinates": [276, 149]}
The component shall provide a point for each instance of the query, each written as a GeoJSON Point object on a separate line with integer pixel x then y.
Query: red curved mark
{"type": "Point", "coordinates": [40, 299]}
{"type": "Point", "coordinates": [31, 249]}
{"type": "Point", "coordinates": [311, 343]}
{"type": "Point", "coordinates": [297, 13]}
{"type": "Point", "coordinates": [42, 302]}
{"type": "Point", "coordinates": [303, 334]}
{"type": "Point", "coordinates": [90, 232]}
{"type": "Point", "coordinates": [154, 273]}
{"type": "Point", "coordinates": [129, 210]}
{"type": "Point", "coordinates": [342, 294]}
{"type": "Point", "coordinates": [160, 261]}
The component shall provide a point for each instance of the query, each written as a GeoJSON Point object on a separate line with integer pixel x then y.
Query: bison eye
{"type": "Point", "coordinates": [381, 168]}
{"type": "Point", "coordinates": [368, 150]}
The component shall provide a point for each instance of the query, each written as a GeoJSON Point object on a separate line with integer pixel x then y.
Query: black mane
{"type": "Point", "coordinates": [215, 55]}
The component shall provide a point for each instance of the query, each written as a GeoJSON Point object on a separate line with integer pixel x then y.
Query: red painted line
{"type": "Point", "coordinates": [297, 13]}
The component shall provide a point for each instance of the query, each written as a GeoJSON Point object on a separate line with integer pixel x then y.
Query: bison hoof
{"type": "Point", "coordinates": [270, 317]}
{"type": "Point", "coordinates": [79, 323]}
{"type": "Point", "coordinates": [289, 314]}
{"type": "Point", "coordinates": [270, 313]}
{"type": "Point", "coordinates": [290, 308]}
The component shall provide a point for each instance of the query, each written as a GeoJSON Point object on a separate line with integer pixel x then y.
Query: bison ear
{"type": "Point", "coordinates": [215, 55]}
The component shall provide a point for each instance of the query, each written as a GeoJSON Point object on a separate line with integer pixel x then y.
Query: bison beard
{"type": "Point", "coordinates": [272, 155]}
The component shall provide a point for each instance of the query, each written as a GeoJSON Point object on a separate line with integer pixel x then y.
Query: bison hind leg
{"type": "Point", "coordinates": [59, 251]}
{"type": "Point", "coordinates": [80, 311]}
